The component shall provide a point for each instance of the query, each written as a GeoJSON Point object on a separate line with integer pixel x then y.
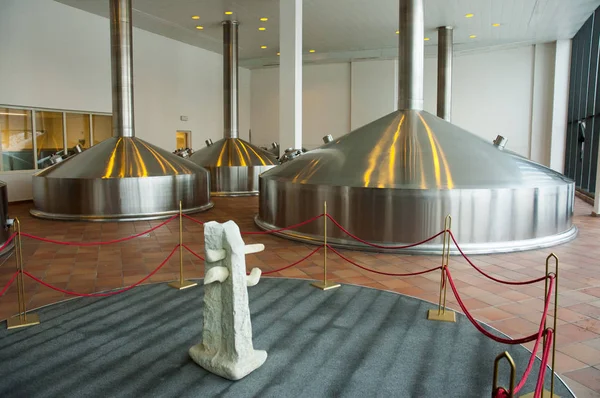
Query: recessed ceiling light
{"type": "Point", "coordinates": [397, 32]}
{"type": "Point", "coordinates": [228, 12]}
{"type": "Point", "coordinates": [263, 47]}
{"type": "Point", "coordinates": [278, 54]}
{"type": "Point", "coordinates": [495, 25]}
{"type": "Point", "coordinates": [262, 28]}
{"type": "Point", "coordinates": [426, 39]}
{"type": "Point", "coordinates": [196, 17]}
{"type": "Point", "coordinates": [199, 27]}
{"type": "Point", "coordinates": [264, 19]}
{"type": "Point", "coordinates": [472, 36]}
{"type": "Point", "coordinates": [469, 15]}
{"type": "Point", "coordinates": [311, 51]}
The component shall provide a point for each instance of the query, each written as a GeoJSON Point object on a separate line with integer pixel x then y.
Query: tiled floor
{"type": "Point", "coordinates": [514, 310]}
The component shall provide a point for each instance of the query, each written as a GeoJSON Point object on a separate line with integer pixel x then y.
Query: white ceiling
{"type": "Point", "coordinates": [350, 29]}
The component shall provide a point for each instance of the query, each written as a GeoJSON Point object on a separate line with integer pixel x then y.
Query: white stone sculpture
{"type": "Point", "coordinates": [226, 348]}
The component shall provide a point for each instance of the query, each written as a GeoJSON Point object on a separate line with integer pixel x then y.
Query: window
{"type": "Point", "coordinates": [102, 127]}
{"type": "Point", "coordinates": [55, 132]}
{"type": "Point", "coordinates": [183, 139]}
{"type": "Point", "coordinates": [17, 139]}
{"type": "Point", "coordinates": [78, 130]}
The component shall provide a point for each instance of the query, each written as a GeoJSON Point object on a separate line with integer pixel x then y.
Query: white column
{"type": "Point", "coordinates": [290, 74]}
{"type": "Point", "coordinates": [560, 105]}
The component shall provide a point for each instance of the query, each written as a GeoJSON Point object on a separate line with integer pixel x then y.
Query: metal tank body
{"type": "Point", "coordinates": [234, 164]}
{"type": "Point", "coordinates": [394, 180]}
{"type": "Point", "coordinates": [123, 177]}
{"type": "Point", "coordinates": [4, 230]}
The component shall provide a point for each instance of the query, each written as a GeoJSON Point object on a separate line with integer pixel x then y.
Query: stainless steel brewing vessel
{"type": "Point", "coordinates": [393, 181]}
{"type": "Point", "coordinates": [123, 177]}
{"type": "Point", "coordinates": [234, 164]}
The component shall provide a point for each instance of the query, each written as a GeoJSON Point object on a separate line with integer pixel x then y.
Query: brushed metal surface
{"type": "Point", "coordinates": [4, 231]}
{"type": "Point", "coordinates": [121, 58]}
{"type": "Point", "coordinates": [410, 64]}
{"type": "Point", "coordinates": [394, 180]}
{"type": "Point", "coordinates": [444, 72]}
{"type": "Point", "coordinates": [234, 164]}
{"type": "Point", "coordinates": [123, 177]}
{"type": "Point", "coordinates": [230, 79]}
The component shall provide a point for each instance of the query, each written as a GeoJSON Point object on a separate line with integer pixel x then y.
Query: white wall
{"type": "Point", "coordinates": [492, 94]}
{"type": "Point", "coordinates": [562, 70]}
{"type": "Point", "coordinates": [325, 103]}
{"type": "Point", "coordinates": [56, 56]}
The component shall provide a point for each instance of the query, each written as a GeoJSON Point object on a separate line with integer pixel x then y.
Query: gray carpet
{"type": "Point", "coordinates": [351, 342]}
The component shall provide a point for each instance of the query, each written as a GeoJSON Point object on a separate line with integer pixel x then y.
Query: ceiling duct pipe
{"type": "Point", "coordinates": [413, 168]}
{"type": "Point", "coordinates": [444, 77]}
{"type": "Point", "coordinates": [123, 177]}
{"type": "Point", "coordinates": [234, 164]}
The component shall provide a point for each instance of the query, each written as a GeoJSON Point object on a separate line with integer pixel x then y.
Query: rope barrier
{"type": "Point", "coordinates": [267, 272]}
{"type": "Point", "coordinates": [514, 283]}
{"type": "Point", "coordinates": [193, 219]}
{"type": "Point", "coordinates": [337, 224]}
{"type": "Point", "coordinates": [285, 228]}
{"type": "Point", "coordinates": [497, 339]}
{"type": "Point", "coordinates": [539, 388]}
{"type": "Point", "coordinates": [10, 239]}
{"type": "Point", "coordinates": [99, 243]}
{"type": "Point", "coordinates": [109, 293]}
{"type": "Point", "coordinates": [10, 282]}
{"type": "Point", "coordinates": [380, 272]}
{"type": "Point", "coordinates": [291, 265]}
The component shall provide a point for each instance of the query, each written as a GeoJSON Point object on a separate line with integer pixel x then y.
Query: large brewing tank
{"type": "Point", "coordinates": [123, 177]}
{"type": "Point", "coordinates": [4, 228]}
{"type": "Point", "coordinates": [234, 164]}
{"type": "Point", "coordinates": [393, 181]}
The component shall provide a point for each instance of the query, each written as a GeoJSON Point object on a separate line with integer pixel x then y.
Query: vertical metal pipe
{"type": "Point", "coordinates": [444, 82]}
{"type": "Point", "coordinates": [230, 79]}
{"type": "Point", "coordinates": [121, 51]}
{"type": "Point", "coordinates": [410, 55]}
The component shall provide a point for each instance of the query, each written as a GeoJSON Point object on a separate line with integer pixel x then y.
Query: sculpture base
{"type": "Point", "coordinates": [215, 363]}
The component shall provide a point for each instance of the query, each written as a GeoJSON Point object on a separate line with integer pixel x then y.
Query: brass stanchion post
{"type": "Point", "coordinates": [442, 313]}
{"type": "Point", "coordinates": [325, 285]}
{"type": "Point", "coordinates": [546, 393]}
{"type": "Point", "coordinates": [181, 283]}
{"type": "Point", "coordinates": [513, 371]}
{"type": "Point", "coordinates": [22, 319]}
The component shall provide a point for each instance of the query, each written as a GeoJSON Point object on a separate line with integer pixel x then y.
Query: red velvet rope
{"type": "Point", "coordinates": [10, 239]}
{"type": "Point", "coordinates": [337, 224]}
{"type": "Point", "coordinates": [540, 381]}
{"type": "Point", "coordinates": [273, 231]}
{"type": "Point", "coordinates": [489, 276]}
{"type": "Point", "coordinates": [108, 293]}
{"type": "Point", "coordinates": [379, 272]}
{"type": "Point", "coordinates": [268, 272]}
{"type": "Point", "coordinates": [99, 243]}
{"type": "Point", "coordinates": [291, 265]}
{"type": "Point", "coordinates": [193, 219]}
{"type": "Point", "coordinates": [193, 253]}
{"type": "Point", "coordinates": [497, 339]}
{"type": "Point", "coordinates": [10, 282]}
{"type": "Point", "coordinates": [500, 393]}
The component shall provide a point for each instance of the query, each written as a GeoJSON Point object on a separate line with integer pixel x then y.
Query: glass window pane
{"type": "Point", "coordinates": [16, 144]}
{"type": "Point", "coordinates": [102, 127]}
{"type": "Point", "coordinates": [78, 130]}
{"type": "Point", "coordinates": [49, 135]}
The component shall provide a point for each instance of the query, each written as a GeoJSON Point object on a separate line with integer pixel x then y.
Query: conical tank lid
{"type": "Point", "coordinates": [232, 152]}
{"type": "Point", "coordinates": [413, 149]}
